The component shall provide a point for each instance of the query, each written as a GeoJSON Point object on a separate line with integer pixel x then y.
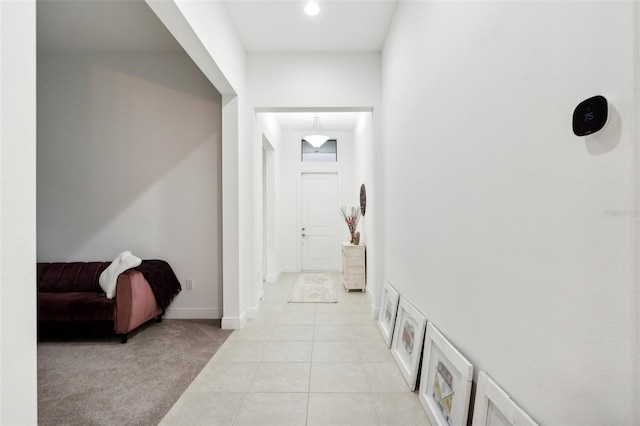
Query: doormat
{"type": "Point", "coordinates": [313, 288]}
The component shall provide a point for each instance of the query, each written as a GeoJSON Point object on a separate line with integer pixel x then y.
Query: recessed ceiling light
{"type": "Point", "coordinates": [312, 8]}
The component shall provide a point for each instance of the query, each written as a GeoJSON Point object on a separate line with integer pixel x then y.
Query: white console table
{"type": "Point", "coordinates": [353, 266]}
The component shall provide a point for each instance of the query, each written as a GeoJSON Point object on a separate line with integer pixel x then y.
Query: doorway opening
{"type": "Point", "coordinates": [305, 192]}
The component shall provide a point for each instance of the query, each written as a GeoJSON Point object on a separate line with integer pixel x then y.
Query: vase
{"type": "Point", "coordinates": [355, 238]}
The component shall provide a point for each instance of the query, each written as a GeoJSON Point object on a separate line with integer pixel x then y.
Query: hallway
{"type": "Point", "coordinates": [301, 364]}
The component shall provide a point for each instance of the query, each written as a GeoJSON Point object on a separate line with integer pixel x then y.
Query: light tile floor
{"type": "Point", "coordinates": [302, 364]}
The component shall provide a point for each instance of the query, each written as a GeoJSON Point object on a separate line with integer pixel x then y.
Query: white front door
{"type": "Point", "coordinates": [319, 219]}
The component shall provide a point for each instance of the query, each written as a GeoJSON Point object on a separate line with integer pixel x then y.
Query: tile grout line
{"type": "Point", "coordinates": [313, 342]}
{"type": "Point", "coordinates": [350, 321]}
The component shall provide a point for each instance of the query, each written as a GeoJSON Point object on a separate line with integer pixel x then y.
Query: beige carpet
{"type": "Point", "coordinates": [98, 381]}
{"type": "Point", "coordinates": [313, 287]}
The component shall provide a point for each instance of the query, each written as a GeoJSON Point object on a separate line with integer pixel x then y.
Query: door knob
{"type": "Point", "coordinates": [304, 235]}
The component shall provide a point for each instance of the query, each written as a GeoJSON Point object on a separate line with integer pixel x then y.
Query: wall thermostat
{"type": "Point", "coordinates": [590, 116]}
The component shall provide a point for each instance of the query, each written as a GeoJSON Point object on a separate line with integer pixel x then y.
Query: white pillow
{"type": "Point", "coordinates": [109, 277]}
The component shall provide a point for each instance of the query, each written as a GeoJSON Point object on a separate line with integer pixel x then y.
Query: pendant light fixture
{"type": "Point", "coordinates": [316, 139]}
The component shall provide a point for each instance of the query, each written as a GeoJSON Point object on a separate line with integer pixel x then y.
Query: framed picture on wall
{"type": "Point", "coordinates": [445, 387]}
{"type": "Point", "coordinates": [493, 407]}
{"type": "Point", "coordinates": [389, 309]}
{"type": "Point", "coordinates": [408, 337]}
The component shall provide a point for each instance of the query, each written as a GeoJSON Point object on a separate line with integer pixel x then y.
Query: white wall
{"type": "Point", "coordinates": [214, 28]}
{"type": "Point", "coordinates": [313, 80]}
{"type": "Point", "coordinates": [364, 167]}
{"type": "Point", "coordinates": [270, 129]}
{"type": "Point", "coordinates": [18, 369]}
{"type": "Point", "coordinates": [499, 223]}
{"type": "Point", "coordinates": [206, 32]}
{"type": "Point", "coordinates": [267, 255]}
{"type": "Point", "coordinates": [129, 159]}
{"type": "Point", "coordinates": [213, 25]}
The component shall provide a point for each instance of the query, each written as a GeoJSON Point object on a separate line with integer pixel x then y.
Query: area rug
{"type": "Point", "coordinates": [313, 288]}
{"type": "Point", "coordinates": [99, 381]}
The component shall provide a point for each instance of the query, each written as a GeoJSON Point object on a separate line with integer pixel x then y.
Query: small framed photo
{"type": "Point", "coordinates": [408, 337]}
{"type": "Point", "coordinates": [387, 318]}
{"type": "Point", "coordinates": [494, 407]}
{"type": "Point", "coordinates": [445, 388]}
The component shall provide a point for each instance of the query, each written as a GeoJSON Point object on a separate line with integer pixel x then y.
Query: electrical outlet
{"type": "Point", "coordinates": [189, 284]}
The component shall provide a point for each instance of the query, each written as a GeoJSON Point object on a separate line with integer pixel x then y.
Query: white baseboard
{"type": "Point", "coordinates": [375, 311]}
{"type": "Point", "coordinates": [192, 313]}
{"type": "Point", "coordinates": [272, 278]}
{"type": "Point", "coordinates": [234, 323]}
{"type": "Point", "coordinates": [252, 313]}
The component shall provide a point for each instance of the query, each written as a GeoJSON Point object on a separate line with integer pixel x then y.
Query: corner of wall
{"type": "Point", "coordinates": [234, 323]}
{"type": "Point", "coordinates": [18, 320]}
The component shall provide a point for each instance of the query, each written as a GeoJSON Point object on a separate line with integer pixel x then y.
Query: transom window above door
{"type": "Point", "coordinates": [327, 152]}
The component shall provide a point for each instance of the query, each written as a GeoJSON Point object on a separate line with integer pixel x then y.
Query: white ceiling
{"type": "Point", "coordinates": [101, 26]}
{"type": "Point", "coordinates": [329, 121]}
{"type": "Point", "coordinates": [129, 26]}
{"type": "Point", "coordinates": [341, 25]}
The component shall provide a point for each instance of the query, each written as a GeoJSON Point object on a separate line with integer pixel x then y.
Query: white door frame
{"type": "Point", "coordinates": [332, 171]}
{"type": "Point", "coordinates": [270, 267]}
